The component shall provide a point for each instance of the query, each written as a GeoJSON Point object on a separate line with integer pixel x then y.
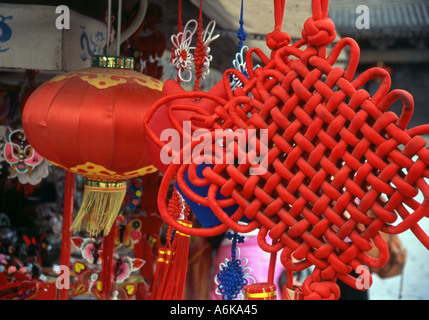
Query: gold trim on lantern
{"type": "Point", "coordinates": [97, 172]}
{"type": "Point", "coordinates": [112, 62]}
{"type": "Point", "coordinates": [105, 186]}
{"type": "Point", "coordinates": [104, 78]}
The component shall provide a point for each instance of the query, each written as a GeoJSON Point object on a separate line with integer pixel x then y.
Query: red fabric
{"type": "Point", "coordinates": [71, 121]}
{"type": "Point", "coordinates": [68, 204]}
{"type": "Point", "coordinates": [150, 186]}
{"type": "Point", "coordinates": [334, 153]}
{"type": "Point", "coordinates": [151, 227]}
{"type": "Point", "coordinates": [108, 265]}
{"type": "Point", "coordinates": [46, 291]}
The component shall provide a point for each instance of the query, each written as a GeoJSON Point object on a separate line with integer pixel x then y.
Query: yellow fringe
{"type": "Point", "coordinates": [98, 211]}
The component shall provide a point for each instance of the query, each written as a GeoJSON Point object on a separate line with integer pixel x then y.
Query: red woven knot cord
{"type": "Point", "coordinates": [277, 38]}
{"type": "Point", "coordinates": [314, 288]}
{"type": "Point", "coordinates": [319, 30]}
{"type": "Point", "coordinates": [341, 166]}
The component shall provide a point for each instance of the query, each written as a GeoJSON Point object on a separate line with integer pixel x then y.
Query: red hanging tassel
{"type": "Point", "coordinates": [180, 266]}
{"type": "Point", "coordinates": [174, 278]}
{"type": "Point", "coordinates": [172, 264]}
{"type": "Point", "coordinates": [162, 270]}
{"type": "Point", "coordinates": [163, 265]}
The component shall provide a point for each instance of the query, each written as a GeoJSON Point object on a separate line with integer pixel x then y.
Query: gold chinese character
{"type": "Point", "coordinates": [103, 62]}
{"type": "Point", "coordinates": [128, 64]}
{"type": "Point", "coordinates": [120, 63]}
{"type": "Point", "coordinates": [111, 63]}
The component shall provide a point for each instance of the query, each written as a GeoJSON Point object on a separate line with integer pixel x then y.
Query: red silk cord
{"type": "Point", "coordinates": [341, 166]}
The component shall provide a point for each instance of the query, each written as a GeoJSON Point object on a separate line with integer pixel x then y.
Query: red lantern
{"type": "Point", "coordinates": [90, 122]}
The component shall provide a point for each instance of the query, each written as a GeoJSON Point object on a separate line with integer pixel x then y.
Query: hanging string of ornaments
{"type": "Point", "coordinates": [182, 56]}
{"type": "Point", "coordinates": [341, 167]}
{"type": "Point", "coordinates": [234, 274]}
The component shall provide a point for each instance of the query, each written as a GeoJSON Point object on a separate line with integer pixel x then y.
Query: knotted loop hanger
{"type": "Point", "coordinates": [319, 30]}
{"type": "Point", "coordinates": [277, 38]}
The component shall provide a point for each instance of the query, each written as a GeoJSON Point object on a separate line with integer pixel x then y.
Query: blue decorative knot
{"type": "Point", "coordinates": [231, 277]}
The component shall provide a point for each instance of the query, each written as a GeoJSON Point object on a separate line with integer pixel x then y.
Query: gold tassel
{"type": "Point", "coordinates": [101, 205]}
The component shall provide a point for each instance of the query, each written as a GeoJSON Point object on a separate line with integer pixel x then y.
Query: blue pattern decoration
{"type": "Point", "coordinates": [6, 31]}
{"type": "Point", "coordinates": [92, 47]}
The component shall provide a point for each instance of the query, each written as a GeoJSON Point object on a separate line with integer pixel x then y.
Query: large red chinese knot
{"type": "Point", "coordinates": [341, 167]}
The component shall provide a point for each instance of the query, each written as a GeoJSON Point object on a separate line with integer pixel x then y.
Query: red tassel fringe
{"type": "Point", "coordinates": [172, 264]}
